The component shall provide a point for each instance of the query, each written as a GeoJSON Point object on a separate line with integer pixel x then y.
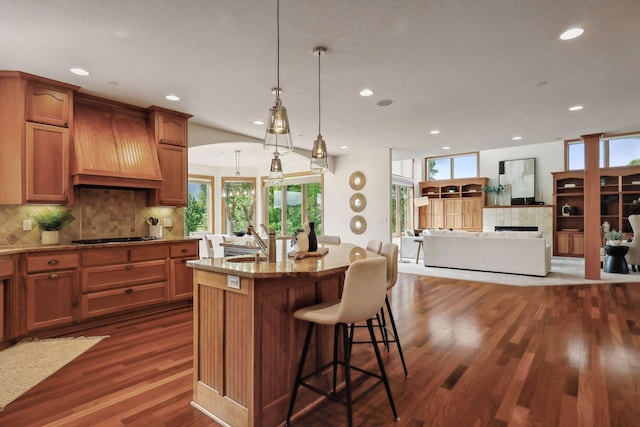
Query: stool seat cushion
{"type": "Point", "coordinates": [323, 313]}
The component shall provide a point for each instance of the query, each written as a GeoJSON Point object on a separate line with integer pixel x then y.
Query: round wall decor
{"type": "Point", "coordinates": [357, 202]}
{"type": "Point", "coordinates": [358, 224]}
{"type": "Point", "coordinates": [357, 180]}
{"type": "Point", "coordinates": [356, 254]}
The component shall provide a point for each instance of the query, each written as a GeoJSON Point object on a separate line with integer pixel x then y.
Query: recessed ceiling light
{"type": "Point", "coordinates": [112, 83]}
{"type": "Point", "coordinates": [434, 132]}
{"type": "Point", "coordinates": [571, 33]}
{"type": "Point", "coordinates": [366, 92]}
{"type": "Point", "coordinates": [576, 108]}
{"type": "Point", "coordinates": [446, 147]}
{"type": "Point", "coordinates": [344, 147]}
{"type": "Point", "coordinates": [258, 122]}
{"type": "Point", "coordinates": [173, 97]}
{"type": "Point", "coordinates": [384, 103]}
{"type": "Point", "coordinates": [517, 138]}
{"type": "Point", "coordinates": [79, 71]}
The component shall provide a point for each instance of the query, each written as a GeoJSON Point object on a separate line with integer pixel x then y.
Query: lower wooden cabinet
{"type": "Point", "coordinates": [181, 283]}
{"type": "Point", "coordinates": [124, 298]}
{"type": "Point", "coordinates": [569, 244]}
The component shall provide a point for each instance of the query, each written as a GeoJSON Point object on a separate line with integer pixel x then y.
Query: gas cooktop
{"type": "Point", "coordinates": [113, 239]}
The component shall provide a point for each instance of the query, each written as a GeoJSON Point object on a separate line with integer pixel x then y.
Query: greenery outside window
{"type": "Point", "coordinates": [198, 215]}
{"type": "Point", "coordinates": [615, 151]}
{"type": "Point", "coordinates": [452, 167]}
{"type": "Point", "coordinates": [238, 204]}
{"type": "Point", "coordinates": [294, 201]}
{"type": "Point", "coordinates": [401, 208]}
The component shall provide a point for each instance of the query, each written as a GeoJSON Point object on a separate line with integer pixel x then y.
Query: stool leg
{"type": "Point", "coordinates": [382, 324]}
{"type": "Point", "coordinates": [298, 380]}
{"type": "Point", "coordinates": [347, 371]}
{"type": "Point", "coordinates": [395, 335]}
{"type": "Point", "coordinates": [335, 357]}
{"type": "Point", "coordinates": [383, 373]}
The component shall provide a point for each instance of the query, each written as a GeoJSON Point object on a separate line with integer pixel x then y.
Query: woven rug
{"type": "Point", "coordinates": [29, 362]}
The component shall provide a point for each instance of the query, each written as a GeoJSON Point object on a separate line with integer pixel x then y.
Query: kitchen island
{"type": "Point", "coordinates": [246, 341]}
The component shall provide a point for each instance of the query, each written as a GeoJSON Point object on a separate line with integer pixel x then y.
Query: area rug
{"type": "Point", "coordinates": [564, 271]}
{"type": "Point", "coordinates": [29, 362]}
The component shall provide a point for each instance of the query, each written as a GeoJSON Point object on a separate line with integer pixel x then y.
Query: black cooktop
{"type": "Point", "coordinates": [113, 239]}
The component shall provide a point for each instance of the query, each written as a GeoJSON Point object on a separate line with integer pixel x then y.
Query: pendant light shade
{"type": "Point", "coordinates": [319, 156]}
{"type": "Point", "coordinates": [275, 173]}
{"type": "Point", "coordinates": [278, 134]}
{"type": "Point", "coordinates": [237, 162]}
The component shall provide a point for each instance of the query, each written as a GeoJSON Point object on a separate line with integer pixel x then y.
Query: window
{"type": "Point", "coordinates": [239, 202]}
{"type": "Point", "coordinates": [296, 200]}
{"type": "Point", "coordinates": [614, 152]}
{"type": "Point", "coordinates": [401, 208]}
{"type": "Point", "coordinates": [402, 168]}
{"type": "Point", "coordinates": [198, 215]}
{"type": "Point", "coordinates": [452, 167]}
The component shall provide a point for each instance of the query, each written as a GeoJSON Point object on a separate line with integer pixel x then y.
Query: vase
{"type": "Point", "coordinates": [614, 242]}
{"type": "Point", "coordinates": [310, 229]}
{"type": "Point", "coordinates": [496, 199]}
{"type": "Point", "coordinates": [302, 242]}
{"type": "Point", "coordinates": [50, 237]}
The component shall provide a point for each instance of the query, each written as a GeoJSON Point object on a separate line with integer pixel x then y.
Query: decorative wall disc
{"type": "Point", "coordinates": [357, 253]}
{"type": "Point", "coordinates": [358, 202]}
{"type": "Point", "coordinates": [358, 224]}
{"type": "Point", "coordinates": [357, 180]}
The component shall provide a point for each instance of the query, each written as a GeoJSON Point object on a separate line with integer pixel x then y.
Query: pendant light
{"type": "Point", "coordinates": [275, 173]}
{"type": "Point", "coordinates": [319, 152]}
{"type": "Point", "coordinates": [278, 133]}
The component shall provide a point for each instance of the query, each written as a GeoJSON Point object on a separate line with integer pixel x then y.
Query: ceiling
{"type": "Point", "coordinates": [480, 72]}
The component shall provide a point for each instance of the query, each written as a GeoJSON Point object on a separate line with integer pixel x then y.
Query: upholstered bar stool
{"type": "Point", "coordinates": [390, 252]}
{"type": "Point", "coordinates": [362, 296]}
{"type": "Point", "coordinates": [329, 240]}
{"type": "Point", "coordinates": [374, 246]}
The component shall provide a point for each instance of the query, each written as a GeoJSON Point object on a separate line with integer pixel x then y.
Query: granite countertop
{"type": "Point", "coordinates": [17, 249]}
{"type": "Point", "coordinates": [338, 258]}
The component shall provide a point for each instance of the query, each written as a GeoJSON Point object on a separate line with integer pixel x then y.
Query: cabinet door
{"type": "Point", "coordinates": [563, 244]}
{"type": "Point", "coordinates": [48, 106]}
{"type": "Point", "coordinates": [437, 213]}
{"type": "Point", "coordinates": [453, 213]}
{"type": "Point", "coordinates": [181, 286]}
{"type": "Point", "coordinates": [173, 164]}
{"type": "Point", "coordinates": [47, 173]}
{"type": "Point", "coordinates": [171, 129]}
{"type": "Point", "coordinates": [52, 299]}
{"type": "Point", "coordinates": [577, 245]}
{"type": "Point", "coordinates": [472, 213]}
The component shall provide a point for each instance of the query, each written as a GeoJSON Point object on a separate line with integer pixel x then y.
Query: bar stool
{"type": "Point", "coordinates": [362, 296]}
{"type": "Point", "coordinates": [390, 252]}
{"type": "Point", "coordinates": [374, 246]}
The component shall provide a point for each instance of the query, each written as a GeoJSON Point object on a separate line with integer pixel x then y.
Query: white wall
{"type": "Point", "coordinates": [376, 166]}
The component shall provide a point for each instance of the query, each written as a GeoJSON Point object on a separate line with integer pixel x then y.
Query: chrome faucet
{"type": "Point", "coordinates": [268, 248]}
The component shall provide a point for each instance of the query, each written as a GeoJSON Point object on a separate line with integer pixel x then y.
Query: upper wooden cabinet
{"type": "Point", "coordinates": [47, 105]}
{"type": "Point", "coordinates": [453, 203]}
{"type": "Point", "coordinates": [35, 115]}
{"type": "Point", "coordinates": [169, 130]}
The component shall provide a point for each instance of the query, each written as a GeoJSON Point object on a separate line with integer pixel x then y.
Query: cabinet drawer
{"type": "Point", "coordinates": [123, 275]}
{"type": "Point", "coordinates": [184, 250]}
{"type": "Point", "coordinates": [6, 268]}
{"type": "Point", "coordinates": [112, 301]}
{"type": "Point", "coordinates": [148, 252]}
{"type": "Point", "coordinates": [51, 262]}
{"type": "Point", "coordinates": [118, 255]}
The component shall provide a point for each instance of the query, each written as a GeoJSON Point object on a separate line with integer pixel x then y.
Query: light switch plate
{"type": "Point", "coordinates": [26, 225]}
{"type": "Point", "coordinates": [233, 282]}
{"type": "Point", "coordinates": [168, 222]}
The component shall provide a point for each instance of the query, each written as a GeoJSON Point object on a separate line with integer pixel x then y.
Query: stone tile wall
{"type": "Point", "coordinates": [96, 213]}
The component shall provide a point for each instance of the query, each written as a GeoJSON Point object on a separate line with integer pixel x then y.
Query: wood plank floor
{"type": "Point", "coordinates": [478, 355]}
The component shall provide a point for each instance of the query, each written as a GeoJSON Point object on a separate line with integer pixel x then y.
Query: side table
{"type": "Point", "coordinates": [419, 242]}
{"type": "Point", "coordinates": [615, 262]}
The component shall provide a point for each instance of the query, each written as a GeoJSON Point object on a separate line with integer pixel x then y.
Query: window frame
{"type": "Point", "coordinates": [425, 171]}
{"type": "Point", "coordinates": [223, 211]}
{"type": "Point", "coordinates": [209, 180]}
{"type": "Point", "coordinates": [604, 151]}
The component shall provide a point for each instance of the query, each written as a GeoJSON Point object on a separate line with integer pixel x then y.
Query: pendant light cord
{"type": "Point", "coordinates": [278, 30]}
{"type": "Point", "coordinates": [319, 110]}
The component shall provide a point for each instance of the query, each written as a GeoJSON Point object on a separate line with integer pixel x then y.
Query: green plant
{"type": "Point", "coordinates": [613, 235]}
{"type": "Point", "coordinates": [494, 189]}
{"type": "Point", "coordinates": [53, 220]}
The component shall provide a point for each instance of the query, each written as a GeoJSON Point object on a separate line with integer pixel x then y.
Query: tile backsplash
{"type": "Point", "coordinates": [96, 213]}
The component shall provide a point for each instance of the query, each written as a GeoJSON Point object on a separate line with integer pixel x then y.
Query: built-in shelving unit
{"type": "Point", "coordinates": [453, 203]}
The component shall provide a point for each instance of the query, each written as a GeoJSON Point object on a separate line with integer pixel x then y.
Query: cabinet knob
{"type": "Point", "coordinates": [53, 262]}
{"type": "Point", "coordinates": [183, 250]}
{"type": "Point", "coordinates": [53, 276]}
{"type": "Point", "coordinates": [128, 267]}
{"type": "Point", "coordinates": [128, 291]}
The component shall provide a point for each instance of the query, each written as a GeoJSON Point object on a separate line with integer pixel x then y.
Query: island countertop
{"type": "Point", "coordinates": [338, 258]}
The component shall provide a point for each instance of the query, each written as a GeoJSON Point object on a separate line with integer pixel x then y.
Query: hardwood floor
{"type": "Point", "coordinates": [477, 354]}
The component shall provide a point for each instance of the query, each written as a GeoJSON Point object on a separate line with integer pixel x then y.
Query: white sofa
{"type": "Point", "coordinates": [518, 252]}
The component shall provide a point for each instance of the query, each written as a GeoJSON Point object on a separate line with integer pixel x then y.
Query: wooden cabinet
{"type": "Point", "coordinates": [35, 116]}
{"type": "Point", "coordinates": [118, 279]}
{"type": "Point", "coordinates": [455, 203]}
{"type": "Point", "coordinates": [617, 196]}
{"type": "Point", "coordinates": [169, 130]}
{"type": "Point", "coordinates": [181, 283]}
{"type": "Point", "coordinates": [52, 290]}
{"type": "Point", "coordinates": [6, 279]}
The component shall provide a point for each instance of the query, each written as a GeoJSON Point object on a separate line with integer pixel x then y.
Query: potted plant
{"type": "Point", "coordinates": [51, 223]}
{"type": "Point", "coordinates": [496, 190]}
{"type": "Point", "coordinates": [614, 238]}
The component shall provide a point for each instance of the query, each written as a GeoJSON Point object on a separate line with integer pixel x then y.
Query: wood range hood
{"type": "Point", "coordinates": [112, 146]}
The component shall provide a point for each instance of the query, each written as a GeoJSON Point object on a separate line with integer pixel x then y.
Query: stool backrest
{"type": "Point", "coordinates": [390, 252]}
{"type": "Point", "coordinates": [325, 239]}
{"type": "Point", "coordinates": [374, 245]}
{"type": "Point", "coordinates": [364, 290]}
{"type": "Point", "coordinates": [210, 250]}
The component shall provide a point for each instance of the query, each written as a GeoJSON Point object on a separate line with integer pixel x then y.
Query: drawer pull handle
{"type": "Point", "coordinates": [128, 267]}
{"type": "Point", "coordinates": [53, 276]}
{"type": "Point", "coordinates": [183, 250]}
{"type": "Point", "coordinates": [53, 262]}
{"type": "Point", "coordinates": [128, 291]}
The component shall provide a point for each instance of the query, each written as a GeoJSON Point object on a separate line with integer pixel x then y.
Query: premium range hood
{"type": "Point", "coordinates": [112, 146]}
